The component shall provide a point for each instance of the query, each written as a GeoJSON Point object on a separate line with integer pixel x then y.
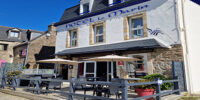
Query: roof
{"type": "Point", "coordinates": [27, 42]}
{"type": "Point", "coordinates": [4, 34]}
{"type": "Point", "coordinates": [145, 43]}
{"type": "Point", "coordinates": [99, 7]}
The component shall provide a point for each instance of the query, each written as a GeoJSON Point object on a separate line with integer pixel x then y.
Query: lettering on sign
{"type": "Point", "coordinates": [154, 32]}
{"type": "Point", "coordinates": [117, 13]}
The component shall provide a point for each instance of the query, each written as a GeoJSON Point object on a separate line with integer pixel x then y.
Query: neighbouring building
{"type": "Point", "coordinates": [40, 48]}
{"type": "Point", "coordinates": [158, 32]}
{"type": "Point", "coordinates": [9, 37]}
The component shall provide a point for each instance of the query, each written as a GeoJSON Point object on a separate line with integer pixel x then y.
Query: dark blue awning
{"type": "Point", "coordinates": [148, 43]}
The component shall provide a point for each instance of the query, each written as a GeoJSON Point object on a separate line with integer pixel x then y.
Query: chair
{"type": "Point", "coordinates": [54, 84]}
{"type": "Point", "coordinates": [80, 84]}
{"type": "Point", "coordinates": [114, 90]}
{"type": "Point", "coordinates": [36, 83]}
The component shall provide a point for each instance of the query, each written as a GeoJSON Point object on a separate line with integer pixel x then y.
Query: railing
{"type": "Point", "coordinates": [38, 71]}
{"type": "Point", "coordinates": [124, 88]}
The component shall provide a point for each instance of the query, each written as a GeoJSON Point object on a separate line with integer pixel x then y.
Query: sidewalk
{"type": "Point", "coordinates": [10, 97]}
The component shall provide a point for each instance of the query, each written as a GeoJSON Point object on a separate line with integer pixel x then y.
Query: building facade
{"type": "Point", "coordinates": [9, 37]}
{"type": "Point", "coordinates": [149, 30]}
{"type": "Point", "coordinates": [42, 47]}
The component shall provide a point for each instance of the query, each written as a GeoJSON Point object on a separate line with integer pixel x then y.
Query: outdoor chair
{"type": "Point", "coordinates": [114, 90]}
{"type": "Point", "coordinates": [36, 83]}
{"type": "Point", "coordinates": [55, 85]}
{"type": "Point", "coordinates": [80, 84]}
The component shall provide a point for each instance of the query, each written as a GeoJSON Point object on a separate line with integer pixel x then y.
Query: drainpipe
{"type": "Point", "coordinates": [25, 61]}
{"type": "Point", "coordinates": [190, 87]}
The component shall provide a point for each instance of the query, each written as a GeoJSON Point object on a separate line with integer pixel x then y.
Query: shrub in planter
{"type": "Point", "coordinates": [145, 90]}
{"type": "Point", "coordinates": [12, 74]}
{"type": "Point", "coordinates": [164, 86]}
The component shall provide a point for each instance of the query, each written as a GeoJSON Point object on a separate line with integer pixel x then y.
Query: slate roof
{"type": "Point", "coordinates": [4, 34]}
{"type": "Point", "coordinates": [146, 43]}
{"type": "Point", "coordinates": [99, 7]}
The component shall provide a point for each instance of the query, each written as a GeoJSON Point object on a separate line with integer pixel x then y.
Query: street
{"type": "Point", "coordinates": [10, 97]}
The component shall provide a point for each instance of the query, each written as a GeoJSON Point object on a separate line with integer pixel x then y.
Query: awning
{"type": "Point", "coordinates": [145, 43]}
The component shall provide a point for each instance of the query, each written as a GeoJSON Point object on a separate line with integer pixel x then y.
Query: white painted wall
{"type": "Point", "coordinates": [160, 15]}
{"type": "Point", "coordinates": [190, 43]}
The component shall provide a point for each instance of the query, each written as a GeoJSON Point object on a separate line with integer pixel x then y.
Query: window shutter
{"type": "Point", "coordinates": [126, 29]}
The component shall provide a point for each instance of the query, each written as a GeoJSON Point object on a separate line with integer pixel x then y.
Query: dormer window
{"type": "Point", "coordinates": [117, 1]}
{"type": "Point", "coordinates": [14, 34]}
{"type": "Point", "coordinates": [86, 8]}
{"type": "Point", "coordinates": [113, 2]}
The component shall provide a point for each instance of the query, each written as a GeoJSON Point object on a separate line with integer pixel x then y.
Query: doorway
{"type": "Point", "coordinates": [102, 71]}
{"type": "Point", "coordinates": [65, 72]}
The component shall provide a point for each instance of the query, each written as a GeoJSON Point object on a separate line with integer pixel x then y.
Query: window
{"type": "Point", "coordinates": [137, 68]}
{"type": "Point", "coordinates": [136, 28]}
{"type": "Point", "coordinates": [117, 1]}
{"type": "Point", "coordinates": [86, 8]}
{"type": "Point", "coordinates": [3, 47]}
{"type": "Point", "coordinates": [73, 38]}
{"type": "Point", "coordinates": [98, 33]}
{"type": "Point", "coordinates": [14, 34]}
{"type": "Point", "coordinates": [139, 65]}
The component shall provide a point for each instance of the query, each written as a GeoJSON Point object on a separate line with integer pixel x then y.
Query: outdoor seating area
{"type": "Point", "coordinates": [110, 86]}
{"type": "Point", "coordinates": [115, 89]}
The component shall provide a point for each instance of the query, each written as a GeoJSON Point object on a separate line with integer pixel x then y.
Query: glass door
{"type": "Point", "coordinates": [90, 69]}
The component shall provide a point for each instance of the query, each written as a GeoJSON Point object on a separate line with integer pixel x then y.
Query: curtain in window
{"type": "Point", "coordinates": [1, 47]}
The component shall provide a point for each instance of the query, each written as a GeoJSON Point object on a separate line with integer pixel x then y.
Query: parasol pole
{"type": "Point", "coordinates": [112, 69]}
{"type": "Point", "coordinates": [108, 72]}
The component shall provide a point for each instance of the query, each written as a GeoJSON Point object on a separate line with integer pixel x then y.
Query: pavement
{"type": "Point", "coordinates": [10, 97]}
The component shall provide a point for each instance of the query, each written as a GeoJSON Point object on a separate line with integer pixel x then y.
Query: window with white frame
{"type": "Point", "coordinates": [136, 27]}
{"type": "Point", "coordinates": [137, 68]}
{"type": "Point", "coordinates": [73, 38]}
{"type": "Point", "coordinates": [86, 8]}
{"type": "Point", "coordinates": [98, 33]}
{"type": "Point", "coordinates": [14, 34]}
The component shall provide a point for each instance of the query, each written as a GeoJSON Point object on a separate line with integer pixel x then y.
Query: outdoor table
{"type": "Point", "coordinates": [93, 78]}
{"type": "Point", "coordinates": [100, 88]}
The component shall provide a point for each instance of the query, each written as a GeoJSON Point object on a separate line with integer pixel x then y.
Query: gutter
{"type": "Point", "coordinates": [27, 49]}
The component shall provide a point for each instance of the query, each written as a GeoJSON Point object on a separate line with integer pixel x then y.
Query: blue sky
{"type": "Point", "coordinates": [32, 14]}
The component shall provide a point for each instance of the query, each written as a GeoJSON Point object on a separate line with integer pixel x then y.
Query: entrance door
{"type": "Point", "coordinates": [90, 69]}
{"type": "Point", "coordinates": [178, 70]}
{"type": "Point", "coordinates": [65, 72]}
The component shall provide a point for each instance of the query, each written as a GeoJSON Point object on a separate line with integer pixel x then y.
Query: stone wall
{"type": "Point", "coordinates": [160, 61]}
{"type": "Point", "coordinates": [8, 54]}
{"type": "Point", "coordinates": [17, 51]}
{"type": "Point", "coordinates": [40, 48]}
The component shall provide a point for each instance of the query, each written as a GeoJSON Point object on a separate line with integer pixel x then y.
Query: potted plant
{"type": "Point", "coordinates": [145, 90]}
{"type": "Point", "coordinates": [153, 77]}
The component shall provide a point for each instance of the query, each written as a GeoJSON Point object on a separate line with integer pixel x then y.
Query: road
{"type": "Point", "coordinates": [10, 97]}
